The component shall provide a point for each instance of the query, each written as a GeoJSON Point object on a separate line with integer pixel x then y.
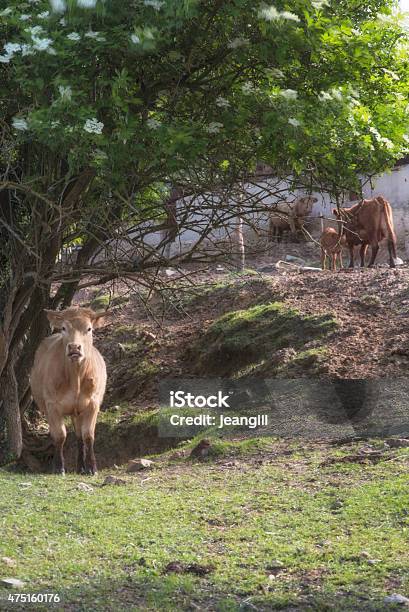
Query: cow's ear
{"type": "Point", "coordinates": [99, 319]}
{"type": "Point", "coordinates": [54, 317]}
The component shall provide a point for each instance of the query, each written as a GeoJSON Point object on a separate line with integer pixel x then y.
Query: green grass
{"type": "Point", "coordinates": [226, 291]}
{"type": "Point", "coordinates": [125, 331]}
{"type": "Point", "coordinates": [311, 359]}
{"type": "Point", "coordinates": [142, 418]}
{"type": "Point", "coordinates": [101, 302]}
{"type": "Point", "coordinates": [242, 341]}
{"type": "Point", "coordinates": [279, 528]}
{"type": "Point", "coordinates": [145, 369]}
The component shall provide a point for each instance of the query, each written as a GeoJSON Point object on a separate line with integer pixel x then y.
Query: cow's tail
{"type": "Point", "coordinates": [389, 224]}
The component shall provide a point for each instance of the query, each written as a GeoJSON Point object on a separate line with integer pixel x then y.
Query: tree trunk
{"type": "Point", "coordinates": [10, 405]}
{"type": "Point", "coordinates": [22, 300]}
{"type": "Point", "coordinates": [37, 331]}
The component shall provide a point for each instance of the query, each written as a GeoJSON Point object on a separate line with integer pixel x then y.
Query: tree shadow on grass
{"type": "Point", "coordinates": [176, 592]}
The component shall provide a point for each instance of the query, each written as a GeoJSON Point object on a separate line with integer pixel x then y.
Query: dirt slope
{"type": "Point", "coordinates": [370, 307]}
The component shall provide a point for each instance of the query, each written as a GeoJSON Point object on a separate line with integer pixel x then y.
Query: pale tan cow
{"type": "Point", "coordinates": [68, 379]}
{"type": "Point", "coordinates": [292, 217]}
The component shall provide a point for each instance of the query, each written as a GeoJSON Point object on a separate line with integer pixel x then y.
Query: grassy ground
{"type": "Point", "coordinates": [243, 341]}
{"type": "Point", "coordinates": [263, 524]}
{"type": "Point", "coordinates": [266, 524]}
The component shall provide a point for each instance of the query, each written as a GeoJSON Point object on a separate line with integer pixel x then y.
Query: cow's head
{"type": "Point", "coordinates": [343, 214]}
{"type": "Point", "coordinates": [304, 206]}
{"type": "Point", "coordinates": [75, 326]}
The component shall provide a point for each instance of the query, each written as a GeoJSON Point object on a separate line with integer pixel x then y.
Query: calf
{"type": "Point", "coordinates": [331, 246]}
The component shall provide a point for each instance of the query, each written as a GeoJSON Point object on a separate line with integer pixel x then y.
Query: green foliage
{"type": "Point", "coordinates": [125, 331]}
{"type": "Point", "coordinates": [151, 89]}
{"type": "Point", "coordinates": [105, 300]}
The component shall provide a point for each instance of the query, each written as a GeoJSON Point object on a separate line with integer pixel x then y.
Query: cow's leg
{"type": "Point", "coordinates": [88, 421]}
{"type": "Point", "coordinates": [58, 434]}
{"type": "Point", "coordinates": [351, 255]}
{"type": "Point", "coordinates": [80, 445]}
{"type": "Point", "coordinates": [333, 261]}
{"type": "Point", "coordinates": [341, 263]}
{"type": "Point", "coordinates": [362, 252]}
{"type": "Point", "coordinates": [391, 249]}
{"type": "Point", "coordinates": [374, 252]}
{"type": "Point", "coordinates": [323, 259]}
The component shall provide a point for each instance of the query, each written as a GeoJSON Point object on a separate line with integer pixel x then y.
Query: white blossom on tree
{"type": "Point", "coordinates": [19, 123]}
{"type": "Point", "coordinates": [324, 96]}
{"type": "Point", "coordinates": [95, 35]}
{"type": "Point", "coordinates": [236, 43]}
{"type": "Point", "coordinates": [58, 6]}
{"type": "Point", "coordinates": [42, 44]}
{"type": "Point", "coordinates": [214, 127]}
{"type": "Point", "coordinates": [289, 94]}
{"type": "Point", "coordinates": [152, 123]}
{"type": "Point", "coordinates": [65, 92]}
{"type": "Point", "coordinates": [270, 13]}
{"type": "Point", "coordinates": [156, 4]}
{"type": "Point", "coordinates": [93, 126]}
{"type": "Point", "coordinates": [222, 102]}
{"type": "Point", "coordinates": [248, 88]}
{"type": "Point", "coordinates": [35, 30]}
{"type": "Point", "coordinates": [86, 3]}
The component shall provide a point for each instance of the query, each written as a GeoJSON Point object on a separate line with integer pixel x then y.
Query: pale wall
{"type": "Point", "coordinates": [394, 186]}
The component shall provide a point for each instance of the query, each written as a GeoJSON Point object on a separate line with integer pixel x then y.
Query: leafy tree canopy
{"type": "Point", "coordinates": [144, 90]}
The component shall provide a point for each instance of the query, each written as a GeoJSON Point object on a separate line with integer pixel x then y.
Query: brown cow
{"type": "Point", "coordinates": [367, 223]}
{"type": "Point", "coordinates": [68, 379]}
{"type": "Point", "coordinates": [292, 218]}
{"type": "Point", "coordinates": [331, 246]}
